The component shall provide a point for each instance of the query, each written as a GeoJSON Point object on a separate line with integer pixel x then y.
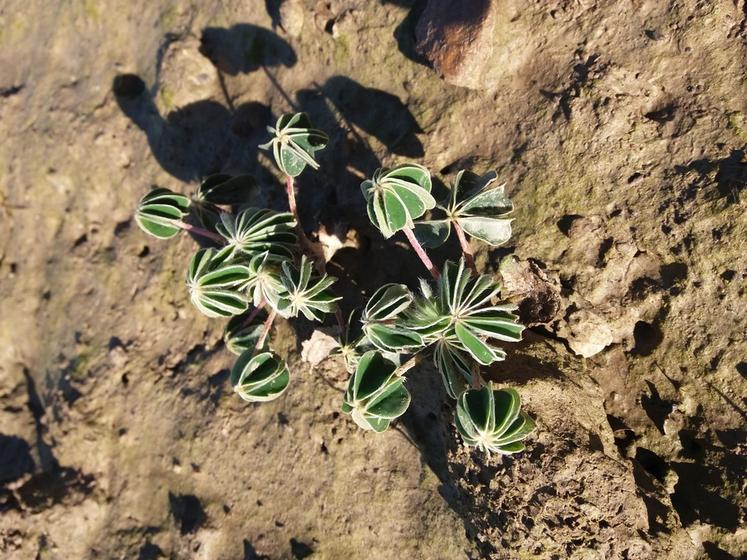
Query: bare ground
{"type": "Point", "coordinates": [620, 129]}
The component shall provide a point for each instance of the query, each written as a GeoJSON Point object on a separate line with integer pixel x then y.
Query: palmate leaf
{"type": "Point", "coordinates": [475, 321]}
{"type": "Point", "coordinates": [351, 344]}
{"type": "Point", "coordinates": [159, 211]}
{"type": "Point", "coordinates": [243, 332]}
{"type": "Point", "coordinates": [375, 395]}
{"type": "Point", "coordinates": [457, 370]}
{"type": "Point", "coordinates": [379, 319]}
{"type": "Point", "coordinates": [253, 231]}
{"type": "Point", "coordinates": [396, 197]}
{"type": "Point", "coordinates": [216, 284]}
{"type": "Point", "coordinates": [295, 143]}
{"type": "Point", "coordinates": [261, 377]}
{"type": "Point", "coordinates": [491, 420]}
{"type": "Point", "coordinates": [265, 283]}
{"type": "Point", "coordinates": [226, 190]}
{"type": "Point", "coordinates": [305, 293]}
{"type": "Point", "coordinates": [477, 207]}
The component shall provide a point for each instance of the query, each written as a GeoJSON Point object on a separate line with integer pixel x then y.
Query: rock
{"type": "Point", "coordinates": [472, 44]}
{"type": "Point", "coordinates": [291, 17]}
{"type": "Point", "coordinates": [587, 333]}
{"type": "Point", "coordinates": [185, 76]}
{"type": "Point", "coordinates": [318, 347]}
{"type": "Point", "coordinates": [537, 293]}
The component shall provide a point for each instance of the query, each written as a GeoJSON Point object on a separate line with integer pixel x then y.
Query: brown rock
{"type": "Point", "coordinates": [472, 44]}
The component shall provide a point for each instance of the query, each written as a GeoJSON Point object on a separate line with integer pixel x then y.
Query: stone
{"type": "Point", "coordinates": [473, 44]}
{"type": "Point", "coordinates": [536, 291]}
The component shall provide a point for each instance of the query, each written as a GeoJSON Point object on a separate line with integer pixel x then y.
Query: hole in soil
{"type": "Point", "coordinates": [696, 497]}
{"type": "Point", "coordinates": [672, 273]}
{"type": "Point", "coordinates": [741, 368]}
{"type": "Point", "coordinates": [150, 551]}
{"type": "Point", "coordinates": [300, 550]}
{"type": "Point", "coordinates": [15, 458]}
{"type": "Point", "coordinates": [716, 553]}
{"type": "Point", "coordinates": [654, 465]}
{"type": "Point", "coordinates": [250, 552]}
{"type": "Point", "coordinates": [662, 115]}
{"type": "Point", "coordinates": [647, 337]}
{"type": "Point", "coordinates": [564, 223]}
{"type": "Point", "coordinates": [187, 511]}
{"type": "Point", "coordinates": [128, 86]}
{"type": "Point", "coordinates": [656, 408]}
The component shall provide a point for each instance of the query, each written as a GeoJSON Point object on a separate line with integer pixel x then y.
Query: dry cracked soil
{"type": "Point", "coordinates": [620, 129]}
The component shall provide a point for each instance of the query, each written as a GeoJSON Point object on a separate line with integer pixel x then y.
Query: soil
{"type": "Point", "coordinates": [620, 129]}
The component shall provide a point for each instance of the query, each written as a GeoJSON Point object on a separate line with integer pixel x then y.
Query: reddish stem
{"type": "Point", "coordinates": [421, 253]}
{"type": "Point", "coordinates": [200, 231]}
{"type": "Point", "coordinates": [265, 330]}
{"type": "Point", "coordinates": [255, 312]}
{"type": "Point", "coordinates": [469, 258]}
{"type": "Point", "coordinates": [291, 192]}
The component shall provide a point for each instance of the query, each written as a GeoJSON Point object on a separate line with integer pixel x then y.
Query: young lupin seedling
{"type": "Point", "coordinates": [257, 263]}
{"type": "Point", "coordinates": [256, 269]}
{"type": "Point", "coordinates": [457, 319]}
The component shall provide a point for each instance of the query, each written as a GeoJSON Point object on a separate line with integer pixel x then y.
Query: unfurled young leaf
{"type": "Point", "coordinates": [480, 210]}
{"type": "Point", "coordinates": [260, 377]}
{"type": "Point", "coordinates": [226, 190]}
{"type": "Point", "coordinates": [375, 395]}
{"type": "Point", "coordinates": [295, 143]}
{"type": "Point", "coordinates": [305, 293]}
{"type": "Point", "coordinates": [265, 283]}
{"type": "Point", "coordinates": [351, 343]}
{"type": "Point", "coordinates": [159, 211]}
{"type": "Point", "coordinates": [396, 197]}
{"type": "Point", "coordinates": [379, 319]}
{"type": "Point", "coordinates": [216, 283]}
{"type": "Point", "coordinates": [474, 319]}
{"type": "Point", "coordinates": [253, 231]}
{"type": "Point", "coordinates": [457, 371]}
{"type": "Point", "coordinates": [492, 421]}
{"type": "Point", "coordinates": [243, 331]}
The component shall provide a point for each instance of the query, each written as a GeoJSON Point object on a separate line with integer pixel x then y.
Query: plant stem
{"type": "Point", "coordinates": [414, 360]}
{"type": "Point", "coordinates": [255, 312]}
{"type": "Point", "coordinates": [421, 253]}
{"type": "Point", "coordinates": [340, 321]}
{"type": "Point", "coordinates": [199, 231]}
{"type": "Point", "coordinates": [291, 192]}
{"type": "Point", "coordinates": [469, 258]}
{"type": "Point", "coordinates": [265, 330]}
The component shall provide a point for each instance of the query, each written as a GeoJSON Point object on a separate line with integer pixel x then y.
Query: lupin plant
{"type": "Point", "coordinates": [456, 318]}
{"type": "Point", "coordinates": [259, 264]}
{"type": "Point", "coordinates": [254, 268]}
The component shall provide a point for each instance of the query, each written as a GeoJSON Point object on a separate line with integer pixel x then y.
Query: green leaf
{"type": "Point", "coordinates": [477, 207]}
{"type": "Point", "coordinates": [216, 284]}
{"type": "Point", "coordinates": [375, 395]}
{"type": "Point", "coordinates": [391, 338]}
{"type": "Point", "coordinates": [305, 293]}
{"type": "Point", "coordinates": [491, 420]}
{"type": "Point", "coordinates": [295, 143]}
{"type": "Point", "coordinates": [265, 282]}
{"type": "Point", "coordinates": [387, 302]}
{"type": "Point", "coordinates": [463, 316]}
{"type": "Point", "coordinates": [242, 334]}
{"type": "Point", "coordinates": [227, 190]}
{"type": "Point", "coordinates": [260, 377]}
{"type": "Point", "coordinates": [432, 233]}
{"type": "Point", "coordinates": [396, 197]}
{"type": "Point", "coordinates": [454, 367]}
{"type": "Point", "coordinates": [159, 211]}
{"type": "Point", "coordinates": [254, 231]}
{"type": "Point", "coordinates": [493, 231]}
